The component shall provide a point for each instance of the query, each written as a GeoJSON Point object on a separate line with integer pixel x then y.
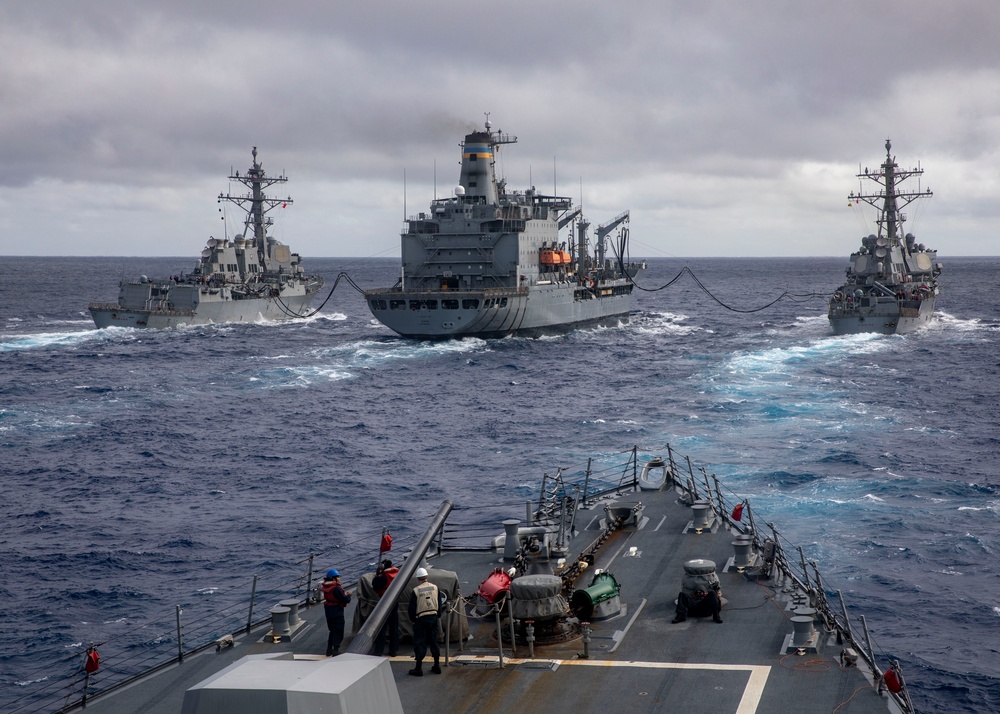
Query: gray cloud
{"type": "Point", "coordinates": [727, 128]}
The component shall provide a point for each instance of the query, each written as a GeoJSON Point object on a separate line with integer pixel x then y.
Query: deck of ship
{"type": "Point", "coordinates": [638, 660]}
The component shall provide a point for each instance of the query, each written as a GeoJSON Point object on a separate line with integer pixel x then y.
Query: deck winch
{"type": "Point", "coordinates": [538, 598]}
{"type": "Point", "coordinates": [599, 601]}
{"type": "Point", "coordinates": [495, 588]}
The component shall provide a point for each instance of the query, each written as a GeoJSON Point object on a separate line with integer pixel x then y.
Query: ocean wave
{"type": "Point", "coordinates": [664, 323]}
{"type": "Point", "coordinates": [946, 321]}
{"type": "Point", "coordinates": [50, 340]}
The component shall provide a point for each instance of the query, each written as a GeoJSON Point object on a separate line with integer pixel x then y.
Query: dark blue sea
{"type": "Point", "coordinates": [143, 471]}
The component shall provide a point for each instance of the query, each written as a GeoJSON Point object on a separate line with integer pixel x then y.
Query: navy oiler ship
{"type": "Point", "coordinates": [253, 277]}
{"type": "Point", "coordinates": [892, 281]}
{"type": "Point", "coordinates": [568, 603]}
{"type": "Point", "coordinates": [488, 262]}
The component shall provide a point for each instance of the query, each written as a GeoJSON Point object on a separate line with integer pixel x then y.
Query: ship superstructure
{"type": "Point", "coordinates": [892, 281]}
{"type": "Point", "coordinates": [489, 262]}
{"type": "Point", "coordinates": [251, 277]}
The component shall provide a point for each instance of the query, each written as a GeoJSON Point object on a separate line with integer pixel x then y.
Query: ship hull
{"type": "Point", "coordinates": [207, 313]}
{"type": "Point", "coordinates": [891, 318]}
{"type": "Point", "coordinates": [535, 311]}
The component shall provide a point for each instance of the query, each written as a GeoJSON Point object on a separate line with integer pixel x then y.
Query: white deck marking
{"type": "Point", "coordinates": [748, 702]}
{"type": "Point", "coordinates": [620, 634]}
{"type": "Point", "coordinates": [619, 551]}
{"type": "Point", "coordinates": [659, 524]}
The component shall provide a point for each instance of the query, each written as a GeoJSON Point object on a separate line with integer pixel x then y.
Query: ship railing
{"type": "Point", "coordinates": [801, 574]}
{"type": "Point", "coordinates": [199, 622]}
{"type": "Point", "coordinates": [457, 292]}
{"type": "Point", "coordinates": [570, 487]}
{"type": "Point", "coordinates": [159, 310]}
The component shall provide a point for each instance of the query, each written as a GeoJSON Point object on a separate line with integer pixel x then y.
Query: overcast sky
{"type": "Point", "coordinates": [726, 128]}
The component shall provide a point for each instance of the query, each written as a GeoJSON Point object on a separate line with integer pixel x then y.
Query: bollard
{"type": "Point", "coordinates": [586, 640]}
{"type": "Point", "coordinates": [279, 622]}
{"type": "Point", "coordinates": [702, 514]}
{"type": "Point", "coordinates": [293, 612]}
{"type": "Point", "coordinates": [510, 543]}
{"type": "Point", "coordinates": [741, 559]}
{"type": "Point", "coordinates": [804, 631]}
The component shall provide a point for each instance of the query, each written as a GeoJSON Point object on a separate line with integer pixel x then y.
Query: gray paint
{"type": "Point", "coordinates": [479, 263]}
{"type": "Point", "coordinates": [249, 278]}
{"type": "Point", "coordinates": [892, 281]}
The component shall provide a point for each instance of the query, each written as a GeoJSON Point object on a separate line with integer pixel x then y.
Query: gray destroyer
{"type": "Point", "coordinates": [253, 277]}
{"type": "Point", "coordinates": [488, 262]}
{"type": "Point", "coordinates": [892, 281]}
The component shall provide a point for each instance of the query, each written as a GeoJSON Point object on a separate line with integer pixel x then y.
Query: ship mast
{"type": "Point", "coordinates": [890, 202]}
{"type": "Point", "coordinates": [256, 204]}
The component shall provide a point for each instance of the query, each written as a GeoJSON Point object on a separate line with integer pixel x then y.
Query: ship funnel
{"type": "Point", "coordinates": [478, 177]}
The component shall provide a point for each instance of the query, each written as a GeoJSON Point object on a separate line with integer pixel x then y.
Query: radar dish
{"type": "Point", "coordinates": [880, 252]}
{"type": "Point", "coordinates": [881, 242]}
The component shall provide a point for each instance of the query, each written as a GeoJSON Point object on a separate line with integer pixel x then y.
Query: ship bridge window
{"type": "Point", "coordinates": [378, 304]}
{"type": "Point", "coordinates": [397, 304]}
{"type": "Point", "coordinates": [449, 304]}
{"type": "Point", "coordinates": [470, 304]}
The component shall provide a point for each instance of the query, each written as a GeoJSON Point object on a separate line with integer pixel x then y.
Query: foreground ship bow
{"type": "Point", "coordinates": [568, 604]}
{"type": "Point", "coordinates": [489, 263]}
{"type": "Point", "coordinates": [250, 278]}
{"type": "Point", "coordinates": [892, 282]}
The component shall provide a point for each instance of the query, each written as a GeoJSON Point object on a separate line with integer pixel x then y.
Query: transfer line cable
{"type": "Point", "coordinates": [621, 253]}
{"type": "Point", "coordinates": [291, 313]}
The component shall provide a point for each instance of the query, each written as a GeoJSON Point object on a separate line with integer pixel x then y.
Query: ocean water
{"type": "Point", "coordinates": [146, 470]}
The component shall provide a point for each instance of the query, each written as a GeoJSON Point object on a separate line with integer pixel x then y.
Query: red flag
{"type": "Point", "coordinates": [738, 512]}
{"type": "Point", "coordinates": [93, 662]}
{"type": "Point", "coordinates": [386, 543]}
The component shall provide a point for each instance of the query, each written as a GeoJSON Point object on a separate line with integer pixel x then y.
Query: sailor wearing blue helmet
{"type": "Point", "coordinates": [335, 599]}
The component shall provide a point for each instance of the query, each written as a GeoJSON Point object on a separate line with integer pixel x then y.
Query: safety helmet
{"type": "Point", "coordinates": [421, 572]}
{"type": "Point", "coordinates": [332, 573]}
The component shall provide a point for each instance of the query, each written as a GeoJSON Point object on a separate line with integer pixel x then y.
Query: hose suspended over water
{"type": "Point", "coordinates": [291, 313]}
{"type": "Point", "coordinates": [621, 254]}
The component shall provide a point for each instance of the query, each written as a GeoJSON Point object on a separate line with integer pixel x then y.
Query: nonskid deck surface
{"type": "Point", "coordinates": [639, 661]}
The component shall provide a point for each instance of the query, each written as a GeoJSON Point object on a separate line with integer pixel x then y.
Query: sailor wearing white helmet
{"type": "Point", "coordinates": [426, 604]}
